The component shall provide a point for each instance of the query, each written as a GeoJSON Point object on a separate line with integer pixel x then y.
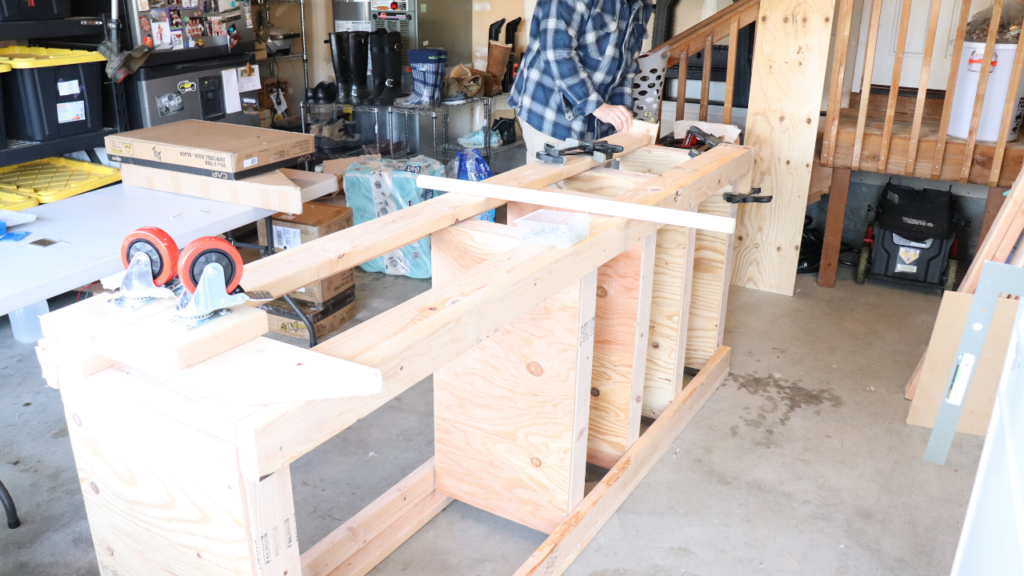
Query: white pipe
{"type": "Point", "coordinates": [583, 203]}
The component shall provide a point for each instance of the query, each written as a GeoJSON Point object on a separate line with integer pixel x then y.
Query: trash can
{"type": "Point", "coordinates": [995, 93]}
{"type": "Point", "coordinates": [52, 93]}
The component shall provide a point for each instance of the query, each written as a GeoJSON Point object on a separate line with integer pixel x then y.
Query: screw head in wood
{"type": "Point", "coordinates": [535, 461]}
{"type": "Point", "coordinates": [535, 369]}
{"type": "Point", "coordinates": [594, 391]}
{"type": "Point", "coordinates": [602, 292]}
{"type": "Point", "coordinates": [94, 487]}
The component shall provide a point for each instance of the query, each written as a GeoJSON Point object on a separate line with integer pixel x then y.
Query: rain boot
{"type": "Point", "coordinates": [339, 54]}
{"type": "Point", "coordinates": [497, 62]}
{"type": "Point", "coordinates": [427, 77]}
{"type": "Point", "coordinates": [358, 56]}
{"type": "Point", "coordinates": [392, 70]}
{"type": "Point", "coordinates": [378, 39]}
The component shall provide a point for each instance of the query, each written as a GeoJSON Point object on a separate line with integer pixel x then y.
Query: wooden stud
{"type": "Point", "coordinates": [730, 70]}
{"type": "Point", "coordinates": [705, 83]}
{"type": "Point", "coordinates": [979, 99]}
{"type": "Point", "coordinates": [710, 287]}
{"type": "Point", "coordinates": [894, 85]}
{"type": "Point", "coordinates": [947, 107]}
{"type": "Point", "coordinates": [1008, 111]}
{"type": "Point", "coordinates": [681, 86]}
{"type": "Point", "coordinates": [836, 84]}
{"type": "Point", "coordinates": [838, 193]}
{"type": "Point", "coordinates": [922, 86]}
{"type": "Point", "coordinates": [865, 87]}
{"type": "Point", "coordinates": [993, 202]}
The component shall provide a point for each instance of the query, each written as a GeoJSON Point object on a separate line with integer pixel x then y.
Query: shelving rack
{"type": "Point", "coordinates": [443, 150]}
{"type": "Point", "coordinates": [19, 151]}
{"type": "Point", "coordinates": [304, 56]}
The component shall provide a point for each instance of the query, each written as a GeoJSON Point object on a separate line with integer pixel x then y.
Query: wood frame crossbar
{"type": "Point", "coordinates": [183, 472]}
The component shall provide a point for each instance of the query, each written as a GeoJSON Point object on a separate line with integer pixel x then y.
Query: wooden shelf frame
{"type": "Point", "coordinates": [180, 473]}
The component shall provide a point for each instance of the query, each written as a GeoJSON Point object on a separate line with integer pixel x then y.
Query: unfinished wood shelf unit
{"type": "Point", "coordinates": [543, 359]}
{"type": "Point", "coordinates": [907, 136]}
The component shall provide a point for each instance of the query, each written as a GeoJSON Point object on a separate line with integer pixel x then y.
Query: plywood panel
{"type": "Point", "coordinates": [711, 274]}
{"type": "Point", "coordinates": [790, 59]}
{"type": "Point", "coordinates": [510, 415]}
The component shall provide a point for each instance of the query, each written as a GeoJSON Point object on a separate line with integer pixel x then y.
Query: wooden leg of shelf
{"type": "Point", "coordinates": [834, 227]}
{"type": "Point", "coordinates": [993, 203]}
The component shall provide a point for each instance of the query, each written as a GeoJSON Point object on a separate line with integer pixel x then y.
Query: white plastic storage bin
{"type": "Point", "coordinates": [995, 93]}
{"type": "Point", "coordinates": [553, 228]}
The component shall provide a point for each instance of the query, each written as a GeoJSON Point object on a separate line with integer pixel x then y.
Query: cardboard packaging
{"type": "Point", "coordinates": [326, 317]}
{"type": "Point", "coordinates": [225, 151]}
{"type": "Point", "coordinates": [316, 221]}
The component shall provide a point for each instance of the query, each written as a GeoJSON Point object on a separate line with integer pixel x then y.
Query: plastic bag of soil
{"type": "Point", "coordinates": [1009, 24]}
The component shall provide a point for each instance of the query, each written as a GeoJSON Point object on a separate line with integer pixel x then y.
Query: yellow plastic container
{"type": "Point", "coordinates": [53, 179]}
{"type": "Point", "coordinates": [14, 201]}
{"type": "Point", "coordinates": [35, 57]}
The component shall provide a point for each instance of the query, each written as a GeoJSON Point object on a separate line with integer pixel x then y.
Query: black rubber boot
{"type": "Point", "coordinates": [339, 54]}
{"type": "Point", "coordinates": [392, 69]}
{"type": "Point", "coordinates": [379, 73]}
{"type": "Point", "coordinates": [358, 56]}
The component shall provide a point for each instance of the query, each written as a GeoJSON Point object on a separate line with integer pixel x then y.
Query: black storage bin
{"type": "Point", "coordinates": [14, 10]}
{"type": "Point", "coordinates": [47, 100]}
{"type": "Point", "coordinates": [898, 257]}
{"type": "Point", "coordinates": [913, 234]}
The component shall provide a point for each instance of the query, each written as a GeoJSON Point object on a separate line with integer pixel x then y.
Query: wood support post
{"type": "Point", "coordinates": [839, 191]}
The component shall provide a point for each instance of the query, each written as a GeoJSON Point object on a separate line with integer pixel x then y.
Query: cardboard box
{"type": "Point", "coordinates": [326, 317]}
{"type": "Point", "coordinates": [316, 221]}
{"type": "Point", "coordinates": [225, 151]}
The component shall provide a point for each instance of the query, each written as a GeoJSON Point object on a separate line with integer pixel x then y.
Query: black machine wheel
{"type": "Point", "coordinates": [949, 278]}
{"type": "Point", "coordinates": [864, 264]}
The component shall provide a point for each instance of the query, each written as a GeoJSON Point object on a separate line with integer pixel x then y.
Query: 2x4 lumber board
{"type": "Point", "coordinates": [1001, 238]}
{"type": "Point", "coordinates": [939, 360]}
{"type": "Point", "coordinates": [710, 287]}
{"type": "Point", "coordinates": [835, 92]}
{"type": "Point", "coordinates": [654, 160]}
{"type": "Point", "coordinates": [510, 415]}
{"type": "Point", "coordinates": [624, 287]}
{"type": "Point", "coordinates": [691, 40]}
{"type": "Point", "coordinates": [922, 85]}
{"type": "Point", "coordinates": [582, 202]}
{"type": "Point", "coordinates": [282, 190]}
{"type": "Point", "coordinates": [838, 193]}
{"type": "Point", "coordinates": [705, 82]}
{"type": "Point", "coordinates": [156, 345]}
{"type": "Point", "coordinates": [947, 107]}
{"type": "Point", "coordinates": [162, 496]}
{"type": "Point", "coordinates": [414, 339]}
{"type": "Point", "coordinates": [1008, 113]}
{"type": "Point", "coordinates": [894, 84]}
{"type": "Point", "coordinates": [790, 57]}
{"type": "Point", "coordinates": [993, 202]}
{"type": "Point", "coordinates": [869, 65]}
{"type": "Point", "coordinates": [358, 545]}
{"type": "Point", "coordinates": [605, 181]}
{"type": "Point", "coordinates": [684, 56]}
{"type": "Point", "coordinates": [562, 547]}
{"type": "Point", "coordinates": [979, 99]}
{"type": "Point", "coordinates": [284, 273]}
{"type": "Point", "coordinates": [274, 548]}
{"type": "Point", "coordinates": [730, 70]}
{"type": "Point", "coordinates": [670, 313]}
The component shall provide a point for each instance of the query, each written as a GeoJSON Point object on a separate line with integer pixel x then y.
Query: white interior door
{"type": "Point", "coordinates": [888, 33]}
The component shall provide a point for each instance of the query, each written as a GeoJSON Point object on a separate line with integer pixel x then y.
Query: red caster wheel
{"type": "Point", "coordinates": [159, 246]}
{"type": "Point", "coordinates": [208, 250]}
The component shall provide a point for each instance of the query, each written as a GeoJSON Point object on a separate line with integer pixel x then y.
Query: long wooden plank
{"type": "Point", "coordinates": [922, 85]}
{"type": "Point", "coordinates": [865, 87]}
{"type": "Point", "coordinates": [412, 340]}
{"type": "Point", "coordinates": [555, 555]}
{"type": "Point", "coordinates": [835, 92]}
{"type": "Point", "coordinates": [790, 57]}
{"type": "Point", "coordinates": [705, 82]}
{"type": "Point", "coordinates": [681, 86]}
{"type": "Point", "coordinates": [717, 26]}
{"type": "Point", "coordinates": [839, 191]}
{"type": "Point", "coordinates": [730, 70]}
{"type": "Point", "coordinates": [1008, 112]}
{"type": "Point", "coordinates": [1001, 237]}
{"type": "Point", "coordinates": [624, 287]}
{"type": "Point", "coordinates": [288, 271]}
{"type": "Point", "coordinates": [361, 532]}
{"type": "Point", "coordinates": [710, 288]}
{"type": "Point", "coordinates": [979, 99]}
{"type": "Point", "coordinates": [894, 84]}
{"type": "Point", "coordinates": [947, 107]}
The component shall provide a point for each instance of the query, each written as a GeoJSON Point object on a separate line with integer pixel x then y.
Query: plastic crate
{"type": "Point", "coordinates": [14, 201]}
{"type": "Point", "coordinates": [15, 10]}
{"type": "Point", "coordinates": [52, 92]}
{"type": "Point", "coordinates": [53, 179]}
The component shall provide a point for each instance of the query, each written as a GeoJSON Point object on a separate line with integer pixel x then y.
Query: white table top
{"type": "Point", "coordinates": [91, 227]}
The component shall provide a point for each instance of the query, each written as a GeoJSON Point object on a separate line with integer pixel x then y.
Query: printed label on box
{"type": "Point", "coordinates": [69, 88]}
{"type": "Point", "coordinates": [286, 237]}
{"type": "Point", "coordinates": [70, 112]}
{"type": "Point", "coordinates": [249, 162]}
{"type": "Point", "coordinates": [911, 268]}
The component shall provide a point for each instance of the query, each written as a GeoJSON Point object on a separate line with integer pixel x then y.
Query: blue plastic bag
{"type": "Point", "coordinates": [376, 187]}
{"type": "Point", "coordinates": [470, 165]}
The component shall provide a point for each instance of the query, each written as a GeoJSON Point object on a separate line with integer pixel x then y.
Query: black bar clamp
{"type": "Point", "coordinates": [600, 150]}
{"type": "Point", "coordinates": [753, 198]}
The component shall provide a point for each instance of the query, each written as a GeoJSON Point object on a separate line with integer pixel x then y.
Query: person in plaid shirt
{"type": "Point", "coordinates": [576, 78]}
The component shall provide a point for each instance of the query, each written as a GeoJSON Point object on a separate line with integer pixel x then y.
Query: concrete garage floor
{"type": "Point", "coordinates": [801, 463]}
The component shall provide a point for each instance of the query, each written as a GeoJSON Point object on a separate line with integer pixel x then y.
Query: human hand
{"type": "Point", "coordinates": [617, 116]}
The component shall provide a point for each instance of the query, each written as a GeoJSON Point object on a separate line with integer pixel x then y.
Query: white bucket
{"type": "Point", "coordinates": [995, 94]}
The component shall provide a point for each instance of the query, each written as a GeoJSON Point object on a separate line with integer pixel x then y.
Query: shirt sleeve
{"type": "Point", "coordinates": [560, 31]}
{"type": "Point", "coordinates": [622, 95]}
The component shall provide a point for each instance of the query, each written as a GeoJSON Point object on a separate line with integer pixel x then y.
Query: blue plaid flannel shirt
{"type": "Point", "coordinates": [581, 54]}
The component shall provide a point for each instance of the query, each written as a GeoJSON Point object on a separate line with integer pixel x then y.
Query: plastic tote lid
{"type": "Point", "coordinates": [35, 57]}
